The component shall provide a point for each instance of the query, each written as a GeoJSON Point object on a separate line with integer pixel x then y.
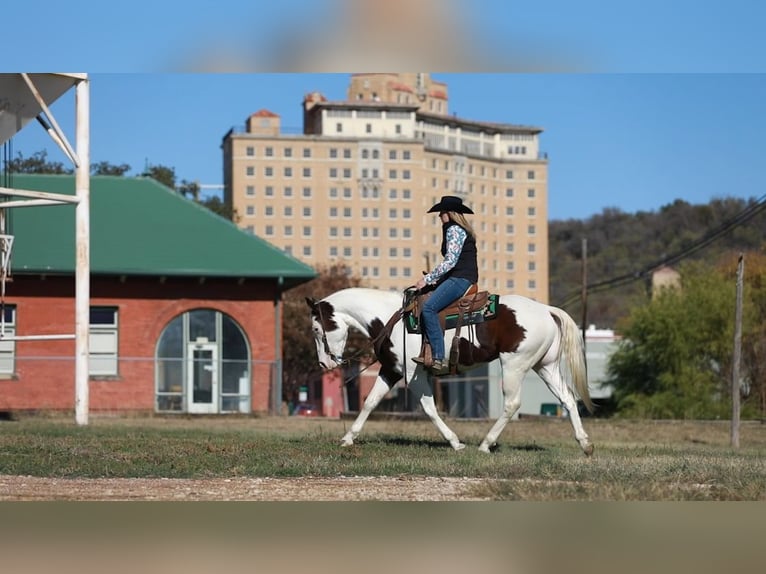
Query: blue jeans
{"type": "Point", "coordinates": [448, 291]}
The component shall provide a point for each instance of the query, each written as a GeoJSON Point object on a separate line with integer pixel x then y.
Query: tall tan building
{"type": "Point", "coordinates": [355, 186]}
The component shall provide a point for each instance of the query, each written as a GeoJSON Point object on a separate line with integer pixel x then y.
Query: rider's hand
{"type": "Point", "coordinates": [420, 284]}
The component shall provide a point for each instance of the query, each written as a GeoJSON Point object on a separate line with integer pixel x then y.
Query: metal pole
{"type": "Point", "coordinates": [82, 242]}
{"type": "Point", "coordinates": [584, 294]}
{"type": "Point", "coordinates": [737, 354]}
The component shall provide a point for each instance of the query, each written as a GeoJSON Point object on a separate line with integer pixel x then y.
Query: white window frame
{"type": "Point", "coordinates": [104, 358]}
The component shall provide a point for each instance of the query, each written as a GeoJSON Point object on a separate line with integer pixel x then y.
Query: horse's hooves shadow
{"type": "Point", "coordinates": [523, 447]}
{"type": "Point", "coordinates": [428, 443]}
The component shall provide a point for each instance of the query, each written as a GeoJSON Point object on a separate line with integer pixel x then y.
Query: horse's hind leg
{"type": "Point", "coordinates": [379, 390]}
{"type": "Point", "coordinates": [511, 403]}
{"type": "Point", "coordinates": [422, 392]}
{"type": "Point", "coordinates": [551, 374]}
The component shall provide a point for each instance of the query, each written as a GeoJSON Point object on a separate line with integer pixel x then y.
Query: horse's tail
{"type": "Point", "coordinates": [573, 349]}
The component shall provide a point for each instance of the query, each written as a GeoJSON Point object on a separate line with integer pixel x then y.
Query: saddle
{"type": "Point", "coordinates": [472, 307]}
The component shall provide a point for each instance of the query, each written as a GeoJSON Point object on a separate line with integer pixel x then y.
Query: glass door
{"type": "Point", "coordinates": [202, 389]}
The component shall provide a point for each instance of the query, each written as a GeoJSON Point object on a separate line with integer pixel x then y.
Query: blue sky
{"type": "Point", "coordinates": [629, 141]}
{"type": "Point", "coordinates": [641, 103]}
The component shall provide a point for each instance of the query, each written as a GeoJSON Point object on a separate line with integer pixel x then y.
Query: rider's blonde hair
{"type": "Point", "coordinates": [460, 219]}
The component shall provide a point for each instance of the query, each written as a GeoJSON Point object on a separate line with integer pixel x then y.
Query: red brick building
{"type": "Point", "coordinates": [184, 306]}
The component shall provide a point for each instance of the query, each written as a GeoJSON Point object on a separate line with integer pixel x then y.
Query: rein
{"type": "Point", "coordinates": [374, 342]}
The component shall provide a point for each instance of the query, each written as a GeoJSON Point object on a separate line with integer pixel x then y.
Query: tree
{"type": "Point", "coordinates": [675, 357]}
{"type": "Point", "coordinates": [299, 351]}
{"type": "Point", "coordinates": [163, 174]}
{"type": "Point", "coordinates": [37, 164]}
{"type": "Point", "coordinates": [189, 189]}
{"type": "Point", "coordinates": [216, 205]}
{"type": "Point", "coordinates": [106, 168]}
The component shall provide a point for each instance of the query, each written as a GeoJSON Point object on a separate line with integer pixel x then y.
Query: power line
{"type": "Point", "coordinates": [708, 238]}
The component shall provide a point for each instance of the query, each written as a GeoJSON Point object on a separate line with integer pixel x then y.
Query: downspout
{"type": "Point", "coordinates": [277, 399]}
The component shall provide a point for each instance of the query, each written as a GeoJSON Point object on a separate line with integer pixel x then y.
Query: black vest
{"type": "Point", "coordinates": [466, 266]}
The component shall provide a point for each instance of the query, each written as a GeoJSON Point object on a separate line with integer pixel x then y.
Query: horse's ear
{"type": "Point", "coordinates": [311, 302]}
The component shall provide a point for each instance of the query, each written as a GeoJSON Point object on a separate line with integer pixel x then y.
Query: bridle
{"type": "Point", "coordinates": [340, 361]}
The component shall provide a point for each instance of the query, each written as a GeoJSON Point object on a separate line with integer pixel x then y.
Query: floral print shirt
{"type": "Point", "coordinates": [456, 237]}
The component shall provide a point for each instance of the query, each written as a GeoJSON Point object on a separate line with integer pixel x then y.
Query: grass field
{"type": "Point", "coordinates": [536, 460]}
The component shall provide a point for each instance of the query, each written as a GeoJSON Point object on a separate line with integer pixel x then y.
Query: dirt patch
{"type": "Point", "coordinates": [18, 488]}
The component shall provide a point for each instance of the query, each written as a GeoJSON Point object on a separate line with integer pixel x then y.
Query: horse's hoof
{"type": "Point", "coordinates": [588, 450]}
{"type": "Point", "coordinates": [458, 446]}
{"type": "Point", "coordinates": [346, 443]}
{"type": "Point", "coordinates": [484, 448]}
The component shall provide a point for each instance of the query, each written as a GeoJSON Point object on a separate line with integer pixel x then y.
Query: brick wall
{"type": "Point", "coordinates": [146, 305]}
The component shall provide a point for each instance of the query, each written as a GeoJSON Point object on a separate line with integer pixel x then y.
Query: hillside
{"type": "Point", "coordinates": [624, 245]}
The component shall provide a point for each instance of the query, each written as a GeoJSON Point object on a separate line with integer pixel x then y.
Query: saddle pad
{"type": "Point", "coordinates": [449, 320]}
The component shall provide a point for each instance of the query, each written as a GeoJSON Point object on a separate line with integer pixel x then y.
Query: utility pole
{"type": "Point", "coordinates": [737, 354]}
{"type": "Point", "coordinates": [584, 293]}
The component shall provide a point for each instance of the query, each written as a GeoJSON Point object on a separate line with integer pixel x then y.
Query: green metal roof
{"type": "Point", "coordinates": [140, 227]}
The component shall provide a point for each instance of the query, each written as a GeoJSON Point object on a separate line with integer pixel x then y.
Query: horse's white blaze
{"type": "Point", "coordinates": [551, 340]}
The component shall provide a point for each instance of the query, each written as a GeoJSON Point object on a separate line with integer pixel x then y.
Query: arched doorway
{"type": "Point", "coordinates": [202, 365]}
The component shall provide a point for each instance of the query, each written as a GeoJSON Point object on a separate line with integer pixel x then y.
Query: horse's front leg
{"type": "Point", "coordinates": [379, 390]}
{"type": "Point", "coordinates": [422, 391]}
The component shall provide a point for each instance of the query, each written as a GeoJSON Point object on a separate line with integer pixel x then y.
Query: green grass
{"type": "Point", "coordinates": [535, 460]}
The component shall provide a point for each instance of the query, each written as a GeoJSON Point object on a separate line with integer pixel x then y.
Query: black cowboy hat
{"type": "Point", "coordinates": [450, 203]}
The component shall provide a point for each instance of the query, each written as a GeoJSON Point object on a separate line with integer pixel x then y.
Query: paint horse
{"type": "Point", "coordinates": [525, 335]}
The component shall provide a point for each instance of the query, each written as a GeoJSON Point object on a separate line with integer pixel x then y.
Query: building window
{"type": "Point", "coordinates": [333, 153]}
{"type": "Point", "coordinates": [347, 252]}
{"type": "Point", "coordinates": [307, 152]}
{"type": "Point", "coordinates": [531, 248]}
{"type": "Point", "coordinates": [531, 229]}
{"type": "Point", "coordinates": [288, 230]}
{"type": "Point", "coordinates": [392, 154]}
{"type": "Point", "coordinates": [333, 251]}
{"type": "Point", "coordinates": [307, 250]}
{"type": "Point", "coordinates": [250, 190]}
{"type": "Point", "coordinates": [194, 349]}
{"type": "Point", "coordinates": [250, 171]}
{"type": "Point", "coordinates": [269, 211]}
{"type": "Point", "coordinates": [250, 210]}
{"type": "Point", "coordinates": [306, 231]}
{"type": "Point", "coordinates": [269, 191]}
{"type": "Point", "coordinates": [530, 193]}
{"type": "Point", "coordinates": [509, 174]}
{"type": "Point", "coordinates": [306, 192]}
{"type": "Point", "coordinates": [288, 191]}
{"type": "Point", "coordinates": [306, 172]}
{"type": "Point", "coordinates": [103, 342]}
{"type": "Point", "coordinates": [530, 174]}
{"type": "Point", "coordinates": [406, 155]}
{"type": "Point", "coordinates": [288, 172]}
{"type": "Point", "coordinates": [307, 211]}
{"type": "Point", "coordinates": [269, 230]}
{"type": "Point", "coordinates": [288, 210]}
{"type": "Point", "coordinates": [269, 172]}
{"type": "Point", "coordinates": [334, 172]}
{"type": "Point", "coordinates": [532, 266]}
{"type": "Point", "coordinates": [368, 128]}
{"type": "Point", "coordinates": [8, 348]}
{"type": "Point", "coordinates": [339, 127]}
{"type": "Point", "coordinates": [347, 173]}
{"type": "Point", "coordinates": [346, 153]}
{"type": "Point", "coordinates": [406, 174]}
{"type": "Point", "coordinates": [288, 152]}
{"type": "Point", "coordinates": [269, 152]}
{"type": "Point", "coordinates": [532, 284]}
{"type": "Point", "coordinates": [250, 151]}
{"type": "Point", "coordinates": [509, 210]}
